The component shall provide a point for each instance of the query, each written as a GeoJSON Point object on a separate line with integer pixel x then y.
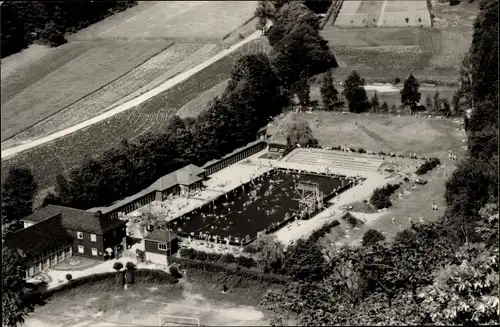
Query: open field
{"type": "Point", "coordinates": [405, 134]}
{"type": "Point", "coordinates": [168, 63]}
{"type": "Point", "coordinates": [141, 306]}
{"type": "Point", "coordinates": [174, 20]}
{"type": "Point", "coordinates": [150, 116]}
{"type": "Point", "coordinates": [382, 54]}
{"type": "Point", "coordinates": [85, 70]}
{"type": "Point", "coordinates": [387, 13]}
{"type": "Point", "coordinates": [12, 64]}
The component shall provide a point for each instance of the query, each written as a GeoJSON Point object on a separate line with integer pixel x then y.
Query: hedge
{"type": "Point", "coordinates": [141, 276]}
{"type": "Point", "coordinates": [381, 196]}
{"type": "Point", "coordinates": [428, 165]}
{"type": "Point", "coordinates": [228, 258]}
{"type": "Point", "coordinates": [214, 267]}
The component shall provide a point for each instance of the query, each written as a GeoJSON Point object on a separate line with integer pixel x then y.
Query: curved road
{"type": "Point", "coordinates": [129, 104]}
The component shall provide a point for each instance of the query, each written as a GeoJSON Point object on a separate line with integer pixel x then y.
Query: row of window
{"type": "Point", "coordinates": [93, 237]}
{"type": "Point", "coordinates": [81, 249]}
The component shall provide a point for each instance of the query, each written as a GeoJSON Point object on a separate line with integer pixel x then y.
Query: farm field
{"type": "Point", "coordinates": [171, 61]}
{"type": "Point", "coordinates": [382, 54]}
{"type": "Point", "coordinates": [141, 306]}
{"type": "Point", "coordinates": [174, 20]}
{"type": "Point", "coordinates": [90, 67]}
{"type": "Point", "coordinates": [388, 13]}
{"type": "Point", "coordinates": [67, 152]}
{"type": "Point", "coordinates": [200, 103]}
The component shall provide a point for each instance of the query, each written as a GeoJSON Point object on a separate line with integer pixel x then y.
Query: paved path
{"type": "Point", "coordinates": [132, 103]}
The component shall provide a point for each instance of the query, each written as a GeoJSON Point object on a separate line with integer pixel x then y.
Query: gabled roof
{"type": "Point", "coordinates": [39, 238]}
{"type": "Point", "coordinates": [160, 235]}
{"type": "Point", "coordinates": [75, 219]}
{"type": "Point", "coordinates": [185, 176]}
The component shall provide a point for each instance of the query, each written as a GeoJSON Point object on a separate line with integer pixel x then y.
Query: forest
{"type": "Point", "coordinates": [47, 22]}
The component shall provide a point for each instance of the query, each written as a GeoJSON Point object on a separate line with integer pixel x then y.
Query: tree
{"type": "Point", "coordinates": [17, 195]}
{"type": "Point", "coordinates": [384, 108]}
{"type": "Point", "coordinates": [371, 237]}
{"type": "Point", "coordinates": [374, 102]}
{"type": "Point", "coordinates": [355, 93]}
{"type": "Point", "coordinates": [409, 94]}
{"type": "Point", "coordinates": [428, 102]}
{"type": "Point", "coordinates": [265, 11]}
{"type": "Point", "coordinates": [465, 292]}
{"type": "Point", "coordinates": [456, 105]}
{"type": "Point", "coordinates": [445, 107]}
{"type": "Point", "coordinates": [270, 252]}
{"type": "Point", "coordinates": [436, 102]}
{"type": "Point", "coordinates": [17, 302]}
{"type": "Point", "coordinates": [393, 109]}
{"type": "Point", "coordinates": [299, 51]}
{"type": "Point", "coordinates": [329, 93]}
{"type": "Point", "coordinates": [117, 266]}
{"type": "Point", "coordinates": [300, 133]}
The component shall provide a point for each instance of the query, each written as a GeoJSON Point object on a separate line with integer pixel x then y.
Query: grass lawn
{"type": "Point", "coordinates": [461, 15]}
{"type": "Point", "coordinates": [175, 20]}
{"type": "Point", "coordinates": [101, 304]}
{"type": "Point", "coordinates": [382, 54]}
{"type": "Point", "coordinates": [79, 73]}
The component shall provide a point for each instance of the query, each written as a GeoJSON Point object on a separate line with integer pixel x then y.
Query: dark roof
{"type": "Point", "coordinates": [160, 235]}
{"type": "Point", "coordinates": [76, 219]}
{"type": "Point", "coordinates": [238, 150]}
{"type": "Point", "coordinates": [185, 176]}
{"type": "Point", "coordinates": [39, 238]}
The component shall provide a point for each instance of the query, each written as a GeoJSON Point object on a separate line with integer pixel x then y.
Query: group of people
{"type": "Point", "coordinates": [452, 156]}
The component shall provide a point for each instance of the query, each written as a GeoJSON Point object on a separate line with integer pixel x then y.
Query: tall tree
{"type": "Point", "coordinates": [299, 51]}
{"type": "Point", "coordinates": [428, 102]}
{"type": "Point", "coordinates": [270, 252]}
{"type": "Point", "coordinates": [409, 94]}
{"type": "Point", "coordinates": [300, 133]}
{"type": "Point", "coordinates": [265, 11]}
{"type": "Point", "coordinates": [436, 102]}
{"type": "Point", "coordinates": [355, 93]}
{"type": "Point", "coordinates": [18, 194]}
{"type": "Point", "coordinates": [375, 102]}
{"type": "Point", "coordinates": [329, 93]}
{"type": "Point", "coordinates": [17, 302]}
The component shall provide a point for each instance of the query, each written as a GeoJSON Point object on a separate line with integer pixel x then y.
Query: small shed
{"type": "Point", "coordinates": [160, 244]}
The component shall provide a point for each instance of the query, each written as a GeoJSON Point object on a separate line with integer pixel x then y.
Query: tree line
{"type": "Point", "coordinates": [25, 22]}
{"type": "Point", "coordinates": [445, 272]}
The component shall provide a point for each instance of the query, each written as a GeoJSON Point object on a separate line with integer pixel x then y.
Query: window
{"type": "Point", "coordinates": [93, 238]}
{"type": "Point", "coordinates": [94, 251]}
{"type": "Point", "coordinates": [79, 235]}
{"type": "Point", "coordinates": [162, 246]}
{"type": "Point", "coordinates": [80, 249]}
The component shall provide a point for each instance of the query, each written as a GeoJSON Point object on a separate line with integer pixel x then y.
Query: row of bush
{"type": "Point", "coordinates": [227, 258]}
{"type": "Point", "coordinates": [381, 197]}
{"type": "Point", "coordinates": [217, 267]}
{"type": "Point", "coordinates": [428, 165]}
{"type": "Point", "coordinates": [139, 276]}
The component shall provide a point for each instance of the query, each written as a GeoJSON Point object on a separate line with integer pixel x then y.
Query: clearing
{"type": "Point", "coordinates": [382, 54]}
{"type": "Point", "coordinates": [142, 305]}
{"type": "Point", "coordinates": [64, 76]}
{"type": "Point", "coordinates": [190, 21]}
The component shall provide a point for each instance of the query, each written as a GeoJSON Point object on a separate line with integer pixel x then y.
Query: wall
{"type": "Point", "coordinates": [88, 245]}
{"type": "Point", "coordinates": [152, 247]}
